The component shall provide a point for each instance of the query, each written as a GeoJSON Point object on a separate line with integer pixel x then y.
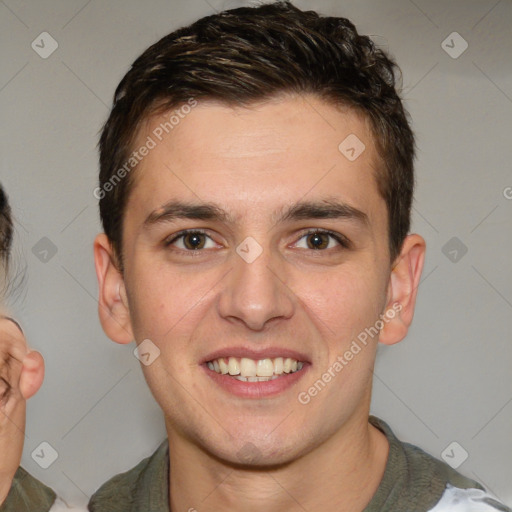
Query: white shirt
{"type": "Point", "coordinates": [466, 500]}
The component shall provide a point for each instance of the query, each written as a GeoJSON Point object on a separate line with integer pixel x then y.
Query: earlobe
{"type": "Point", "coordinates": [32, 374]}
{"type": "Point", "coordinates": [113, 306]}
{"type": "Point", "coordinates": [402, 290]}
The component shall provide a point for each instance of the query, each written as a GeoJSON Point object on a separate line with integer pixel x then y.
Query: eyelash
{"type": "Point", "coordinates": [343, 241]}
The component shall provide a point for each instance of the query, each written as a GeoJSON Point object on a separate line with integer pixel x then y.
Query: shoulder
{"type": "Point", "coordinates": [415, 479]}
{"type": "Point", "coordinates": [468, 500]}
{"type": "Point", "coordinates": [124, 490]}
{"type": "Point", "coordinates": [460, 493]}
{"type": "Point", "coordinates": [27, 494]}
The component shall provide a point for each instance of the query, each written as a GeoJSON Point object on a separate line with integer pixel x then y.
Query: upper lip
{"type": "Point", "coordinates": [256, 354]}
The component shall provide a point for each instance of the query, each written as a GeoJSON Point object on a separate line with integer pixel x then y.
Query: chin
{"type": "Point", "coordinates": [252, 452]}
{"type": "Point", "coordinates": [251, 456]}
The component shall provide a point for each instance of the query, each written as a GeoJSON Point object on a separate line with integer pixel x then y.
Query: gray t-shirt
{"type": "Point", "coordinates": [413, 481]}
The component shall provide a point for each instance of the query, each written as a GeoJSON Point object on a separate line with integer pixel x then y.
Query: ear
{"type": "Point", "coordinates": [113, 306]}
{"type": "Point", "coordinates": [32, 374]}
{"type": "Point", "coordinates": [402, 289]}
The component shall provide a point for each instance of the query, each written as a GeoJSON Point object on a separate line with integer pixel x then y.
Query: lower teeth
{"type": "Point", "coordinates": [254, 379]}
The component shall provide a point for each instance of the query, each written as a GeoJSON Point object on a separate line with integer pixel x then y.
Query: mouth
{"type": "Point", "coordinates": [256, 375]}
{"type": "Point", "coordinates": [245, 369]}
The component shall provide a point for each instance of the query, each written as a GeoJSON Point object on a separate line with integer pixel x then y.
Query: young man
{"type": "Point", "coordinates": [255, 191]}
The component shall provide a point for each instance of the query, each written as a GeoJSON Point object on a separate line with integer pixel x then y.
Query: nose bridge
{"type": "Point", "coordinates": [254, 290]}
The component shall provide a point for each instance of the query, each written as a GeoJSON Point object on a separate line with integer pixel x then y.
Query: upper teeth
{"type": "Point", "coordinates": [246, 367]}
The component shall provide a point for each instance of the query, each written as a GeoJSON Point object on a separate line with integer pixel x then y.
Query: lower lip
{"type": "Point", "coordinates": [261, 389]}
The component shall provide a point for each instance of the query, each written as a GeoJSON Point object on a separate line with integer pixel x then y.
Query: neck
{"type": "Point", "coordinates": [340, 475]}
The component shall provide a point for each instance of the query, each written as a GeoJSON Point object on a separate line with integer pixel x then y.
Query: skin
{"type": "Point", "coordinates": [22, 373]}
{"type": "Point", "coordinates": [253, 162]}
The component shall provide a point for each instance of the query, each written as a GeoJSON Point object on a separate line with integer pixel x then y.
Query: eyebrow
{"type": "Point", "coordinates": [324, 209]}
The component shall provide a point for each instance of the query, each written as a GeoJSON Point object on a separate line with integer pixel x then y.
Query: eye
{"type": "Point", "coordinates": [190, 240]}
{"type": "Point", "coordinates": [318, 239]}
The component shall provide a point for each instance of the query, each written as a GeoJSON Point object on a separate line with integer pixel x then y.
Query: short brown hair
{"type": "Point", "coordinates": [6, 234]}
{"type": "Point", "coordinates": [253, 53]}
{"type": "Point", "coordinates": [6, 228]}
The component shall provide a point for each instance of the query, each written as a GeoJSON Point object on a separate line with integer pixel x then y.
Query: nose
{"type": "Point", "coordinates": [255, 292]}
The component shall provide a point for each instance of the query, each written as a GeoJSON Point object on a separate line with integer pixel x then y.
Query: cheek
{"type": "Point", "coordinates": [344, 301]}
{"type": "Point", "coordinates": [342, 304]}
{"type": "Point", "coordinates": [166, 308]}
{"type": "Point", "coordinates": [163, 302]}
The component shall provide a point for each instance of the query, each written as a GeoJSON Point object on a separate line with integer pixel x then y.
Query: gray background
{"type": "Point", "coordinates": [449, 381]}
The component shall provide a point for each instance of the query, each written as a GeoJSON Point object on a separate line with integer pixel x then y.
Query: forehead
{"type": "Point", "coordinates": [270, 152]}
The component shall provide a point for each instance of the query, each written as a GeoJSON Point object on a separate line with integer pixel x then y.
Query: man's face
{"type": "Point", "coordinates": [258, 286]}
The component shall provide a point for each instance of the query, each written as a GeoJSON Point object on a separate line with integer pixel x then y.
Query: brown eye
{"type": "Point", "coordinates": [190, 240]}
{"type": "Point", "coordinates": [318, 240]}
{"type": "Point", "coordinates": [193, 241]}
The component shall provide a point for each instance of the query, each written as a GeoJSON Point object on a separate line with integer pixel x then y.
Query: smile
{"type": "Point", "coordinates": [250, 370]}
